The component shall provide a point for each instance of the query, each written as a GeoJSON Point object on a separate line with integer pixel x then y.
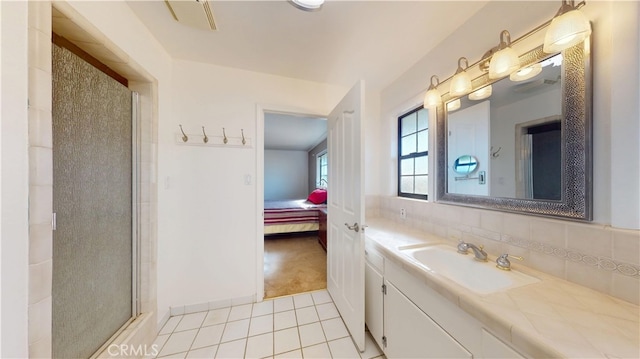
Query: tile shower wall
{"type": "Point", "coordinates": [40, 180]}
{"type": "Point", "coordinates": [593, 255]}
{"type": "Point", "coordinates": [40, 23]}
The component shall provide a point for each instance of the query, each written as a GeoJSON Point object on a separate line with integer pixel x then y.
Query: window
{"type": "Point", "coordinates": [413, 151]}
{"type": "Point", "coordinates": [321, 173]}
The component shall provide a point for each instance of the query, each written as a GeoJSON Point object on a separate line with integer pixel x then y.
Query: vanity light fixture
{"type": "Point", "coordinates": [505, 60]}
{"type": "Point", "coordinates": [526, 73]}
{"type": "Point", "coordinates": [481, 94]}
{"type": "Point", "coordinates": [569, 27]}
{"type": "Point", "coordinates": [453, 105]}
{"type": "Point", "coordinates": [307, 5]}
{"type": "Point", "coordinates": [461, 81]}
{"type": "Point", "coordinates": [433, 97]}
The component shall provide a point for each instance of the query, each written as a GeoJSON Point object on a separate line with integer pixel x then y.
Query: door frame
{"type": "Point", "coordinates": [135, 228]}
{"type": "Point", "coordinates": [261, 109]}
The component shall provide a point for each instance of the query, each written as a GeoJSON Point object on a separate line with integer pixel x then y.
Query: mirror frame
{"type": "Point", "coordinates": [577, 167]}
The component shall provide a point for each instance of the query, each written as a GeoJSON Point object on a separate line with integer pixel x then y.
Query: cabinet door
{"type": "Point", "coordinates": [411, 333]}
{"type": "Point", "coordinates": [493, 347]}
{"type": "Point", "coordinates": [373, 302]}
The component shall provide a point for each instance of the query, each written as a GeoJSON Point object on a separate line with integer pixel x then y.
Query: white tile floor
{"type": "Point", "coordinates": [305, 325]}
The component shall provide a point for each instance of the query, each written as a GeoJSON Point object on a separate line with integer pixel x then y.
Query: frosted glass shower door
{"type": "Point", "coordinates": [92, 199]}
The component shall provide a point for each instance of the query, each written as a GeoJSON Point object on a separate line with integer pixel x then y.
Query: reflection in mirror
{"type": "Point", "coordinates": [530, 133]}
{"type": "Point", "coordinates": [465, 165]}
{"type": "Point", "coordinates": [521, 116]}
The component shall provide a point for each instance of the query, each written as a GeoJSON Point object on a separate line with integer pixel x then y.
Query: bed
{"type": "Point", "coordinates": [291, 216]}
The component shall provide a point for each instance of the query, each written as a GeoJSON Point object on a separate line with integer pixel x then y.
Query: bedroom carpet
{"type": "Point", "coordinates": [293, 264]}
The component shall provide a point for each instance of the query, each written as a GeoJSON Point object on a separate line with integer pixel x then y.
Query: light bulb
{"type": "Point", "coordinates": [481, 94]}
{"type": "Point", "coordinates": [569, 27]}
{"type": "Point", "coordinates": [461, 81]}
{"type": "Point", "coordinates": [505, 60]}
{"type": "Point", "coordinates": [433, 97]}
{"type": "Point", "coordinates": [526, 73]}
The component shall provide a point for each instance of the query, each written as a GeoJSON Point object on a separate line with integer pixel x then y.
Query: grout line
{"type": "Point", "coordinates": [273, 330]}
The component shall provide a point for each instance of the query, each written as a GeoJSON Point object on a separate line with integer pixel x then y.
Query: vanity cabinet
{"type": "Point", "coordinates": [411, 333]}
{"type": "Point", "coordinates": [408, 319]}
{"type": "Point", "coordinates": [374, 295]}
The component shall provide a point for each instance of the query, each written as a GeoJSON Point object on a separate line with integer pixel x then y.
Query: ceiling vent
{"type": "Point", "coordinates": [195, 13]}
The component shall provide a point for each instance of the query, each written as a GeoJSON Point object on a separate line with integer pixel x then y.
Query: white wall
{"type": "Point", "coordinates": [624, 42]}
{"type": "Point", "coordinates": [285, 174]}
{"type": "Point", "coordinates": [14, 185]}
{"type": "Point", "coordinates": [207, 215]}
{"type": "Point", "coordinates": [615, 93]}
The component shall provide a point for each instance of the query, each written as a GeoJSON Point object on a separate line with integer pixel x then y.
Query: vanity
{"type": "Point", "coordinates": [517, 140]}
{"type": "Point", "coordinates": [443, 304]}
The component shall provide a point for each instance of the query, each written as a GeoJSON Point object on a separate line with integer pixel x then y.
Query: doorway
{"type": "Point", "coordinates": [294, 260]}
{"type": "Point", "coordinates": [539, 144]}
{"type": "Point", "coordinates": [93, 284]}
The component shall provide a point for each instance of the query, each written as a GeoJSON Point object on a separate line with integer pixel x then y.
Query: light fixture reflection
{"type": "Point", "coordinates": [461, 81]}
{"type": "Point", "coordinates": [505, 60]}
{"type": "Point", "coordinates": [569, 27]}
{"type": "Point", "coordinates": [307, 5]}
{"type": "Point", "coordinates": [481, 94]}
{"type": "Point", "coordinates": [453, 105]}
{"type": "Point", "coordinates": [526, 73]}
{"type": "Point", "coordinates": [433, 97]}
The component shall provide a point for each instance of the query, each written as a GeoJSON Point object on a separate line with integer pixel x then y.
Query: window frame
{"type": "Point", "coordinates": [319, 183]}
{"type": "Point", "coordinates": [409, 156]}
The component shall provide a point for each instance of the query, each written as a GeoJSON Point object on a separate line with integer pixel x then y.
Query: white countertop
{"type": "Point", "coordinates": [551, 318]}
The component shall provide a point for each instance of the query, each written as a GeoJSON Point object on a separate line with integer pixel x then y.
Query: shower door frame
{"type": "Point", "coordinates": [136, 177]}
{"type": "Point", "coordinates": [136, 259]}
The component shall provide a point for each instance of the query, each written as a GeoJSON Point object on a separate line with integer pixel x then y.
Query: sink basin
{"type": "Point", "coordinates": [480, 277]}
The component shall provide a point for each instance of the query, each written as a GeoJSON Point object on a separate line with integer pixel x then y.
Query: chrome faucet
{"type": "Point", "coordinates": [503, 263]}
{"type": "Point", "coordinates": [480, 254]}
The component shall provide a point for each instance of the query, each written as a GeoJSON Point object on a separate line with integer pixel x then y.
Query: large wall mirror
{"type": "Point", "coordinates": [530, 138]}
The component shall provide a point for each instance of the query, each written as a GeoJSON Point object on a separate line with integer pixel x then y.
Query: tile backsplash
{"type": "Point", "coordinates": [596, 256]}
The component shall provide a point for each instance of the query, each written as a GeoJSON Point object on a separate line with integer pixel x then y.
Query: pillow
{"type": "Point", "coordinates": [318, 196]}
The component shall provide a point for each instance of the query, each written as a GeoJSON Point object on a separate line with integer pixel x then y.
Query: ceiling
{"type": "Point", "coordinates": [343, 42]}
{"type": "Point", "coordinates": [293, 133]}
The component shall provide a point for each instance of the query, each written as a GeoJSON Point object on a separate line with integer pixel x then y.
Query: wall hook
{"type": "Point", "coordinates": [205, 139]}
{"type": "Point", "coordinates": [185, 138]}
{"type": "Point", "coordinates": [224, 136]}
{"type": "Point", "coordinates": [244, 141]}
{"type": "Point", "coordinates": [495, 154]}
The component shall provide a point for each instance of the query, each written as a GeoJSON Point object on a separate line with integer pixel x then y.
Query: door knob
{"type": "Point", "coordinates": [355, 227]}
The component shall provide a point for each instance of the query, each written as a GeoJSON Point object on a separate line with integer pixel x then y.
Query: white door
{"type": "Point", "coordinates": [469, 135]}
{"type": "Point", "coordinates": [345, 246]}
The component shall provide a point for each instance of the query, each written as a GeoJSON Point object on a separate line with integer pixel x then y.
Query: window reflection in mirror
{"type": "Point", "coordinates": [465, 165]}
{"type": "Point", "coordinates": [522, 116]}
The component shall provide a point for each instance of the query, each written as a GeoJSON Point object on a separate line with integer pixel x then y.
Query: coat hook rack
{"type": "Point", "coordinates": [185, 138]}
{"type": "Point", "coordinates": [205, 139]}
{"type": "Point", "coordinates": [495, 154]}
{"type": "Point", "coordinates": [210, 140]}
